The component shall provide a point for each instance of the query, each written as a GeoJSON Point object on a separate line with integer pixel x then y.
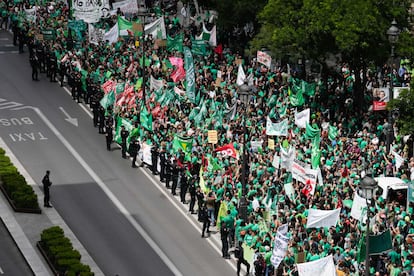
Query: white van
{"type": "Point", "coordinates": [393, 188]}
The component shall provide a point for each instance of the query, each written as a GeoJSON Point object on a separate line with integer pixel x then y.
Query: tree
{"type": "Point", "coordinates": [405, 104]}
{"type": "Point", "coordinates": [316, 29]}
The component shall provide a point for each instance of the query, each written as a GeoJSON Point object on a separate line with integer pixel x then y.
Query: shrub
{"type": "Point", "coordinates": [60, 252]}
{"type": "Point", "coordinates": [15, 185]}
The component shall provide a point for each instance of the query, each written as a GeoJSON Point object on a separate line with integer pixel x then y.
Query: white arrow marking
{"type": "Point", "coordinates": [71, 120]}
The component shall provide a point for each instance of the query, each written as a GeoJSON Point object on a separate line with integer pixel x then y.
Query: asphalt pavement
{"type": "Point", "coordinates": [122, 219]}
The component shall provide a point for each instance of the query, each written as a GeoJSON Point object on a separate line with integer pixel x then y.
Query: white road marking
{"type": "Point", "coordinates": [108, 192]}
{"type": "Point", "coordinates": [9, 105]}
{"type": "Point", "coordinates": [1, 271]}
{"type": "Point", "coordinates": [68, 118]}
{"type": "Point", "coordinates": [81, 105]}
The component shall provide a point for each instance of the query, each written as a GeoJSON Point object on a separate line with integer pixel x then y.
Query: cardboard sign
{"type": "Point", "coordinates": [271, 144]}
{"type": "Point", "coordinates": [212, 136]}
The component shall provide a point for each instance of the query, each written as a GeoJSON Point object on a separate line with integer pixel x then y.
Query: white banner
{"type": "Point", "coordinates": [321, 267]}
{"type": "Point", "coordinates": [156, 29]}
{"type": "Point", "coordinates": [112, 35]}
{"type": "Point", "coordinates": [276, 161]}
{"type": "Point", "coordinates": [303, 173]}
{"type": "Point", "coordinates": [146, 153]}
{"type": "Point", "coordinates": [302, 118]}
{"type": "Point", "coordinates": [126, 6]}
{"type": "Point", "coordinates": [89, 11]}
{"type": "Point", "coordinates": [96, 35]}
{"type": "Point", "coordinates": [241, 76]}
{"type": "Point", "coordinates": [276, 129]}
{"type": "Point", "coordinates": [322, 218]}
{"type": "Point", "coordinates": [255, 145]}
{"type": "Point", "coordinates": [359, 206]}
{"type": "Point", "coordinates": [399, 160]}
{"type": "Point", "coordinates": [264, 58]}
{"type": "Point", "coordinates": [156, 84]}
{"type": "Point", "coordinates": [280, 246]}
{"type": "Point", "coordinates": [287, 157]}
{"type": "Point", "coordinates": [31, 14]}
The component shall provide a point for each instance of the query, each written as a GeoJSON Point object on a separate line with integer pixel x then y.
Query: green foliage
{"type": "Point", "coordinates": [15, 185]}
{"type": "Point", "coordinates": [312, 28]}
{"type": "Point", "coordinates": [60, 252]}
{"type": "Point", "coordinates": [405, 104]}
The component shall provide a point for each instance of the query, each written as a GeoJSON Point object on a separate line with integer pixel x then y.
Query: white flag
{"type": "Point", "coordinates": [241, 76]}
{"type": "Point", "coordinates": [264, 58]}
{"type": "Point", "coordinates": [112, 35]}
{"type": "Point", "coordinates": [156, 84]}
{"type": "Point", "coordinates": [287, 158]}
{"type": "Point", "coordinates": [156, 29]}
{"type": "Point", "coordinates": [277, 129]}
{"type": "Point", "coordinates": [358, 206]}
{"type": "Point", "coordinates": [399, 160]}
{"type": "Point", "coordinates": [126, 6]}
{"type": "Point", "coordinates": [322, 218]}
{"type": "Point", "coordinates": [213, 35]}
{"type": "Point", "coordinates": [280, 246]}
{"type": "Point", "coordinates": [321, 267]}
{"type": "Point", "coordinates": [179, 91]}
{"type": "Point", "coordinates": [95, 35]}
{"type": "Point", "coordinates": [183, 12]}
{"type": "Point", "coordinates": [302, 118]}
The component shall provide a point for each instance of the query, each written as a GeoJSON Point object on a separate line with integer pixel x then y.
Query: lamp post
{"type": "Point", "coordinates": [393, 33]}
{"type": "Point", "coordinates": [244, 93]}
{"type": "Point", "coordinates": [366, 189]}
{"type": "Point", "coordinates": [144, 16]}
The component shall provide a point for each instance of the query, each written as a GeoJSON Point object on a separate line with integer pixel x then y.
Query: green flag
{"type": "Point", "coordinates": [108, 100]}
{"type": "Point", "coordinates": [296, 99]}
{"type": "Point", "coordinates": [189, 74]}
{"type": "Point", "coordinates": [183, 143]}
{"type": "Point", "coordinates": [377, 244]}
{"type": "Point", "coordinates": [199, 47]}
{"type": "Point", "coordinates": [146, 118]}
{"type": "Point", "coordinates": [411, 191]}
{"type": "Point", "coordinates": [122, 122]}
{"type": "Point", "coordinates": [311, 132]}
{"type": "Point", "coordinates": [332, 133]}
{"type": "Point", "coordinates": [175, 43]}
{"type": "Point", "coordinates": [316, 151]}
{"type": "Point", "coordinates": [124, 26]}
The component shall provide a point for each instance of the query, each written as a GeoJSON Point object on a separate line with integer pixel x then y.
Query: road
{"type": "Point", "coordinates": [11, 260]}
{"type": "Point", "coordinates": [121, 217]}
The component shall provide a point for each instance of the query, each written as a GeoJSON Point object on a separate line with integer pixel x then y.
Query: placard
{"type": "Point", "coordinates": [212, 136]}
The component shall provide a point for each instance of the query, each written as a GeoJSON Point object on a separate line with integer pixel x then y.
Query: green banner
{"type": "Point", "coordinates": [189, 74]}
{"type": "Point", "coordinates": [49, 34]}
{"type": "Point", "coordinates": [78, 28]}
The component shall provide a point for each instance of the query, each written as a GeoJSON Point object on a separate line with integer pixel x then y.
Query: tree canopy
{"type": "Point", "coordinates": [354, 30]}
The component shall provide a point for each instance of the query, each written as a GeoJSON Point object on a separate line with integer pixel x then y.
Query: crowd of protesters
{"type": "Point", "coordinates": [358, 147]}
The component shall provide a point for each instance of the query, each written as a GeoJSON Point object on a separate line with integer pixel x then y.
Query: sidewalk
{"type": "Point", "coordinates": [26, 228]}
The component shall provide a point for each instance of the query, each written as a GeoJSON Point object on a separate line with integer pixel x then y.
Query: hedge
{"type": "Point", "coordinates": [61, 254]}
{"type": "Point", "coordinates": [15, 185]}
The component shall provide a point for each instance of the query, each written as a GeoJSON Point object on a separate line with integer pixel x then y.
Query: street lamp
{"type": "Point", "coordinates": [244, 94]}
{"type": "Point", "coordinates": [393, 33]}
{"type": "Point", "coordinates": [366, 189]}
{"type": "Point", "coordinates": [144, 16]}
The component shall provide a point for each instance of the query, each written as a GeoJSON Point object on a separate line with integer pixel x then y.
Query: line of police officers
{"type": "Point", "coordinates": [172, 170]}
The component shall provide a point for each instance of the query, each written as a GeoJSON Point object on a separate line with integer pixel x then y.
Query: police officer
{"type": "Point", "coordinates": [168, 171]}
{"type": "Point", "coordinates": [101, 120]}
{"type": "Point", "coordinates": [78, 86]}
{"type": "Point", "coordinates": [46, 188]}
{"type": "Point", "coordinates": [124, 136]}
{"type": "Point", "coordinates": [108, 134]}
{"type": "Point", "coordinates": [95, 110]}
{"type": "Point", "coordinates": [193, 193]}
{"type": "Point", "coordinates": [40, 55]}
{"type": "Point", "coordinates": [53, 67]}
{"type": "Point", "coordinates": [163, 160]}
{"type": "Point", "coordinates": [34, 63]}
{"type": "Point", "coordinates": [183, 187]}
{"type": "Point", "coordinates": [200, 201]}
{"type": "Point", "coordinates": [175, 173]}
{"type": "Point", "coordinates": [205, 219]}
{"type": "Point", "coordinates": [224, 233]}
{"type": "Point", "coordinates": [154, 158]}
{"type": "Point", "coordinates": [134, 148]}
